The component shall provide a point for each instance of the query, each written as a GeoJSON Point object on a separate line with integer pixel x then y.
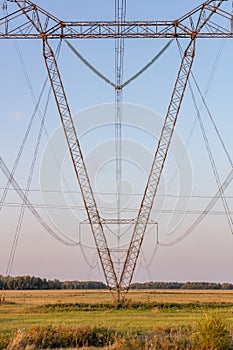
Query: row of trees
{"type": "Point", "coordinates": [37, 283]}
{"type": "Point", "coordinates": [179, 285]}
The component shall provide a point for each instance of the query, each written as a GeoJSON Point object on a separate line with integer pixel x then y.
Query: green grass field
{"type": "Point", "coordinates": [144, 311]}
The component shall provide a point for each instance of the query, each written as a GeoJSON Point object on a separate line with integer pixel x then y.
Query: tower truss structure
{"type": "Point", "coordinates": [30, 21]}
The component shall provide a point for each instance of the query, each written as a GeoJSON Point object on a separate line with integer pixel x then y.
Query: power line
{"type": "Point", "coordinates": [213, 122]}
{"type": "Point", "coordinates": [203, 214]}
{"type": "Point", "coordinates": [213, 164]}
{"type": "Point", "coordinates": [26, 201]}
{"type": "Point", "coordinates": [208, 208]}
{"type": "Point", "coordinates": [112, 210]}
{"type": "Point", "coordinates": [23, 207]}
{"type": "Point", "coordinates": [18, 157]}
{"type": "Point", "coordinates": [108, 81]}
{"type": "Point", "coordinates": [114, 193]}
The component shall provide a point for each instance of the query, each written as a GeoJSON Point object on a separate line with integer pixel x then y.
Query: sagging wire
{"type": "Point", "coordinates": [225, 184]}
{"type": "Point", "coordinates": [146, 266]}
{"type": "Point", "coordinates": [30, 87]}
{"type": "Point", "coordinates": [113, 194]}
{"type": "Point", "coordinates": [88, 64]}
{"type": "Point", "coordinates": [10, 175]}
{"type": "Point", "coordinates": [23, 207]}
{"type": "Point", "coordinates": [93, 265]}
{"type": "Point", "coordinates": [31, 207]}
{"type": "Point", "coordinates": [130, 210]}
{"type": "Point", "coordinates": [118, 86]}
{"type": "Point", "coordinates": [150, 63]}
{"type": "Point", "coordinates": [210, 155]}
{"type": "Point", "coordinates": [212, 161]}
{"type": "Point", "coordinates": [18, 157]}
{"type": "Point", "coordinates": [212, 121]}
{"type": "Point", "coordinates": [35, 112]}
{"type": "Point", "coordinates": [122, 233]}
{"type": "Point", "coordinates": [155, 250]}
{"type": "Point", "coordinates": [108, 81]}
{"type": "Point", "coordinates": [210, 80]}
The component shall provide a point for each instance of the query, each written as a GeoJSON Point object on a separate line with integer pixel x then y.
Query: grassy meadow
{"type": "Point", "coordinates": [145, 312]}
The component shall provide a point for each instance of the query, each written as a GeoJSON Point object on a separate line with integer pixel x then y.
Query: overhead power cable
{"type": "Point", "coordinates": [108, 81]}
{"type": "Point", "coordinates": [123, 194]}
{"type": "Point", "coordinates": [145, 266]}
{"type": "Point", "coordinates": [142, 70]}
{"type": "Point", "coordinates": [30, 177]}
{"type": "Point", "coordinates": [35, 112]}
{"type": "Point", "coordinates": [91, 265]}
{"type": "Point", "coordinates": [155, 250]}
{"type": "Point", "coordinates": [224, 186]}
{"type": "Point", "coordinates": [18, 157]}
{"type": "Point", "coordinates": [210, 155]}
{"type": "Point", "coordinates": [108, 210]}
{"type": "Point", "coordinates": [148, 264]}
{"type": "Point", "coordinates": [10, 175]}
{"type": "Point", "coordinates": [212, 121]}
{"type": "Point", "coordinates": [210, 80]}
{"type": "Point", "coordinates": [88, 64]}
{"type": "Point", "coordinates": [228, 180]}
{"type": "Point", "coordinates": [208, 208]}
{"type": "Point", "coordinates": [213, 164]}
{"type": "Point", "coordinates": [66, 240]}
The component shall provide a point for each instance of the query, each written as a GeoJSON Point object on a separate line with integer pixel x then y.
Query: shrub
{"type": "Point", "coordinates": [169, 338]}
{"type": "Point", "coordinates": [61, 336]}
{"type": "Point", "coordinates": [127, 342]}
{"type": "Point", "coordinates": [212, 334]}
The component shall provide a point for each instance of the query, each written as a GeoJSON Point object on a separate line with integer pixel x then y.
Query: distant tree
{"type": "Point", "coordinates": [227, 286]}
{"type": "Point", "coordinates": [201, 285]}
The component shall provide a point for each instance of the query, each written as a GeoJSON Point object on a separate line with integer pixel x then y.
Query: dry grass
{"type": "Point", "coordinates": [103, 296]}
{"type": "Point", "coordinates": [174, 310]}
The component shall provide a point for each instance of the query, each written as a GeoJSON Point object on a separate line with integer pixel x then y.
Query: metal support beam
{"type": "Point", "coordinates": [55, 28]}
{"type": "Point", "coordinates": [32, 22]}
{"type": "Point", "coordinates": [162, 151]}
{"type": "Point", "coordinates": [157, 167]}
{"type": "Point", "coordinates": [79, 166]}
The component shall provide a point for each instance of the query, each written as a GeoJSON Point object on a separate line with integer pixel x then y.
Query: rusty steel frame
{"type": "Point", "coordinates": [160, 156]}
{"type": "Point", "coordinates": [40, 24]}
{"type": "Point", "coordinates": [157, 167]}
{"type": "Point", "coordinates": [55, 28]}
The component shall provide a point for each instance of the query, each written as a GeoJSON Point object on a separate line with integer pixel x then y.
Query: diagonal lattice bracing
{"type": "Point", "coordinates": [40, 24]}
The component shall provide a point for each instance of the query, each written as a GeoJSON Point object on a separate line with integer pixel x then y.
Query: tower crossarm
{"type": "Point", "coordinates": [55, 28]}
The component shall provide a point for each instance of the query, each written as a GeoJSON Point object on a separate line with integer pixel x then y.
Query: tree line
{"type": "Point", "coordinates": [38, 283]}
{"type": "Point", "coordinates": [180, 285]}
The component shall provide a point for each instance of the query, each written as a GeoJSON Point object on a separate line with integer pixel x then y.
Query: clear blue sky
{"type": "Point", "coordinates": [207, 253]}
